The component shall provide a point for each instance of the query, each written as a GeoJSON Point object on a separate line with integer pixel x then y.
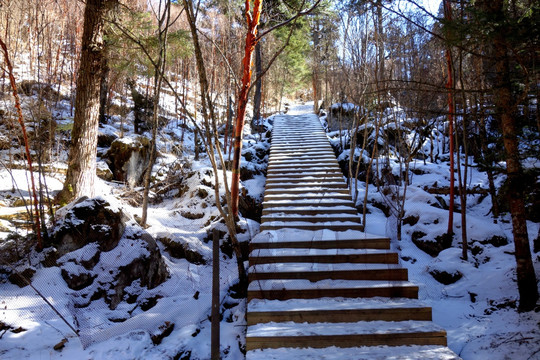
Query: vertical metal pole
{"type": "Point", "coordinates": [215, 296]}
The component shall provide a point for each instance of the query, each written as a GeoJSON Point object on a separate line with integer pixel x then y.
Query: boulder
{"type": "Point", "coordinates": [102, 252]}
{"type": "Point", "coordinates": [431, 247]}
{"type": "Point", "coordinates": [181, 250]}
{"type": "Point", "coordinates": [128, 158]}
{"type": "Point", "coordinates": [446, 277]}
{"type": "Point", "coordinates": [22, 276]}
{"type": "Point", "coordinates": [88, 221]}
{"type": "Point", "coordinates": [103, 171]}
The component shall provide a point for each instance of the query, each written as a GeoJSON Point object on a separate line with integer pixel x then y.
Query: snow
{"type": "Point", "coordinates": [322, 284]}
{"type": "Point", "coordinates": [336, 303]}
{"type": "Point", "coordinates": [360, 327]}
{"type": "Point", "coordinates": [360, 353]}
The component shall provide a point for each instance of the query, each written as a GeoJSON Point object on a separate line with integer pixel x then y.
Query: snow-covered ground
{"type": "Point", "coordinates": [478, 311]}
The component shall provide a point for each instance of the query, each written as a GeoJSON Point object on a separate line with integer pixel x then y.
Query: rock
{"type": "Point", "coordinates": [181, 250]}
{"type": "Point", "coordinates": [15, 247]}
{"type": "Point", "coordinates": [431, 247]}
{"type": "Point", "coordinates": [446, 278]}
{"type": "Point", "coordinates": [250, 207]}
{"type": "Point", "coordinates": [411, 220]}
{"type": "Point", "coordinates": [103, 171]}
{"type": "Point", "coordinates": [128, 158]}
{"type": "Point", "coordinates": [87, 221]}
{"type": "Point", "coordinates": [148, 267]}
{"type": "Point", "coordinates": [201, 192]}
{"type": "Point", "coordinates": [98, 270]}
{"type": "Point", "coordinates": [77, 280]}
{"type": "Point", "coordinates": [105, 140]}
{"type": "Point", "coordinates": [496, 241]}
{"type": "Point", "coordinates": [191, 215]}
{"type": "Point", "coordinates": [22, 276]}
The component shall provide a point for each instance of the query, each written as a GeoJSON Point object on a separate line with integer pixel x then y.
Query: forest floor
{"type": "Point", "coordinates": [479, 311]}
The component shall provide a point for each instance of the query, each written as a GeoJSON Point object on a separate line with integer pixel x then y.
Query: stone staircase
{"type": "Point", "coordinates": [319, 287]}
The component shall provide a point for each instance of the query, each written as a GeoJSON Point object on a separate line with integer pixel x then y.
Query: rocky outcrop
{"type": "Point", "coordinates": [128, 159]}
{"type": "Point", "coordinates": [102, 252]}
{"type": "Point", "coordinates": [89, 221]}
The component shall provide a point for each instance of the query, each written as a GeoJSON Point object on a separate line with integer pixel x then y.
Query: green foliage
{"type": "Point", "coordinates": [294, 58]}
{"type": "Point", "coordinates": [126, 56]}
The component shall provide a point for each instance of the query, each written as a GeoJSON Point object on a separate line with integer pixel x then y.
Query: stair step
{"type": "Point", "coordinates": [416, 352]}
{"type": "Point", "coordinates": [307, 185]}
{"type": "Point", "coordinates": [311, 196]}
{"type": "Point", "coordinates": [305, 289]}
{"type": "Point", "coordinates": [301, 155]}
{"type": "Point", "coordinates": [300, 144]}
{"type": "Point", "coordinates": [334, 303]}
{"type": "Point", "coordinates": [310, 210]}
{"type": "Point", "coordinates": [277, 158]}
{"type": "Point", "coordinates": [321, 335]}
{"type": "Point", "coordinates": [352, 315]}
{"type": "Point", "coordinates": [328, 256]}
{"type": "Point", "coordinates": [330, 225]}
{"type": "Point", "coordinates": [317, 272]}
{"type": "Point", "coordinates": [338, 244]}
{"type": "Point", "coordinates": [311, 219]}
{"type": "Point", "coordinates": [324, 173]}
{"type": "Point", "coordinates": [330, 242]}
{"type": "Point", "coordinates": [342, 189]}
{"type": "Point", "coordinates": [307, 202]}
{"type": "Point", "coordinates": [306, 179]}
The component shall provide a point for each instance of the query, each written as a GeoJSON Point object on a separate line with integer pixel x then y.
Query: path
{"type": "Point", "coordinates": [321, 288]}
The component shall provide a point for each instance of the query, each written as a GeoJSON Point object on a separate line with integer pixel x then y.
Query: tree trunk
{"type": "Point", "coordinates": [506, 108]}
{"type": "Point", "coordinates": [104, 89]}
{"type": "Point", "coordinates": [449, 87]}
{"type": "Point", "coordinates": [163, 29]}
{"type": "Point", "coordinates": [251, 36]}
{"type": "Point", "coordinates": [258, 84]}
{"type": "Point", "coordinates": [81, 171]}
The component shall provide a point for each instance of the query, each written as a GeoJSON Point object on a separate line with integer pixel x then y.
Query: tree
{"type": "Point", "coordinates": [252, 19]}
{"type": "Point", "coordinates": [500, 40]}
{"type": "Point", "coordinates": [81, 173]}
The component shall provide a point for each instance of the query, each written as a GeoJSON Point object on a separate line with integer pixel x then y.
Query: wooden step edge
{"type": "Point", "coordinates": [311, 227]}
{"type": "Point", "coordinates": [292, 211]}
{"type": "Point", "coordinates": [310, 219]}
{"type": "Point", "coordinates": [408, 291]}
{"type": "Point", "coordinates": [398, 274]}
{"type": "Point", "coordinates": [355, 340]}
{"type": "Point", "coordinates": [311, 179]}
{"type": "Point", "coordinates": [379, 244]}
{"type": "Point", "coordinates": [346, 315]}
{"type": "Point", "coordinates": [343, 202]}
{"type": "Point", "coordinates": [335, 190]}
{"type": "Point", "coordinates": [384, 258]}
{"type": "Point", "coordinates": [305, 183]}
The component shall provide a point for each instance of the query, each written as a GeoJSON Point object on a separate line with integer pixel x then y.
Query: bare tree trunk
{"type": "Point", "coordinates": [163, 29]}
{"type": "Point", "coordinates": [212, 143]}
{"type": "Point", "coordinates": [104, 89]}
{"type": "Point", "coordinates": [506, 108]}
{"type": "Point", "coordinates": [251, 40]}
{"type": "Point", "coordinates": [81, 172]}
{"type": "Point", "coordinates": [450, 87]}
{"type": "Point", "coordinates": [258, 84]}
